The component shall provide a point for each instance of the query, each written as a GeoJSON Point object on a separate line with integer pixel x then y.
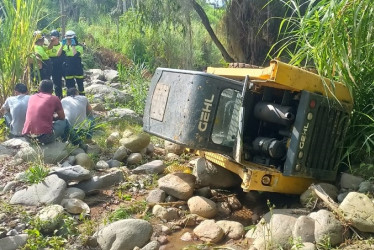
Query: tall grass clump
{"type": "Point", "coordinates": [336, 37]}
{"type": "Point", "coordinates": [18, 19]}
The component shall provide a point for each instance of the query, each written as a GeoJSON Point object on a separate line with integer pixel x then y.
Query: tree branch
{"type": "Point", "coordinates": [205, 20]}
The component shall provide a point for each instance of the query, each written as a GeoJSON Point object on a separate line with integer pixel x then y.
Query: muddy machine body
{"type": "Point", "coordinates": [280, 128]}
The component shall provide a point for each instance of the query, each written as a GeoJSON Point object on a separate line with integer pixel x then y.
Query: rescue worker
{"type": "Point", "coordinates": [73, 62]}
{"type": "Point", "coordinates": [56, 54]}
{"type": "Point", "coordinates": [43, 62]}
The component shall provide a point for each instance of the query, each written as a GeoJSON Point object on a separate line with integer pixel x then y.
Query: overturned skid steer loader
{"type": "Point", "coordinates": [279, 128]}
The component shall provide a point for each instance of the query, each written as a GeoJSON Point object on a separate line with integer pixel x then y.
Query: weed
{"type": "Point", "coordinates": [36, 174]}
{"type": "Point", "coordinates": [325, 243]}
{"type": "Point", "coordinates": [127, 212]}
{"type": "Point", "coordinates": [87, 229]}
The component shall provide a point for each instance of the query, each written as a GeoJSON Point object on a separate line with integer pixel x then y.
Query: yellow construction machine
{"type": "Point", "coordinates": [279, 128]}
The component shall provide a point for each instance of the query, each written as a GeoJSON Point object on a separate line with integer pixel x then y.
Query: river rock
{"type": "Point", "coordinates": [84, 160]}
{"type": "Point", "coordinates": [114, 163]}
{"type": "Point", "coordinates": [156, 196]}
{"type": "Point", "coordinates": [124, 234]}
{"type": "Point", "coordinates": [73, 192]}
{"type": "Point", "coordinates": [53, 152]}
{"type": "Point", "coordinates": [125, 114]}
{"type": "Point", "coordinates": [174, 148]}
{"type": "Point", "coordinates": [232, 229]}
{"type": "Point", "coordinates": [366, 187]}
{"type": "Point", "coordinates": [108, 94]}
{"type": "Point", "coordinates": [202, 206]}
{"type": "Point", "coordinates": [135, 143]}
{"type": "Point", "coordinates": [111, 75]}
{"type": "Point", "coordinates": [13, 242]}
{"type": "Point", "coordinates": [209, 174]}
{"type": "Point", "coordinates": [100, 165]}
{"type": "Point", "coordinates": [358, 209]}
{"type": "Point", "coordinates": [153, 167]}
{"type": "Point", "coordinates": [153, 245]}
{"type": "Point", "coordinates": [349, 181]}
{"type": "Point", "coordinates": [101, 182]}
{"type": "Point", "coordinates": [166, 214]}
{"type": "Point", "coordinates": [134, 158]}
{"type": "Point", "coordinates": [304, 229]}
{"type": "Point", "coordinates": [308, 198]}
{"type": "Point", "coordinates": [75, 206]}
{"type": "Point", "coordinates": [223, 208]}
{"type": "Point", "coordinates": [96, 74]}
{"type": "Point", "coordinates": [50, 217]}
{"type": "Point", "coordinates": [73, 173]}
{"type": "Point", "coordinates": [27, 154]}
{"type": "Point", "coordinates": [50, 191]}
{"type": "Point", "coordinates": [113, 139]}
{"type": "Point", "coordinates": [209, 231]}
{"type": "Point", "coordinates": [121, 153]}
{"type": "Point", "coordinates": [179, 185]}
{"type": "Point", "coordinates": [326, 225]}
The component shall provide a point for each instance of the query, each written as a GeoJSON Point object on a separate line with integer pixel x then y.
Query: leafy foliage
{"type": "Point", "coordinates": [36, 174]}
{"type": "Point", "coordinates": [336, 38]}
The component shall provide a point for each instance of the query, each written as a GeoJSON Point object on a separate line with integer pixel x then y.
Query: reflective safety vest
{"type": "Point", "coordinates": [69, 51]}
{"type": "Point", "coordinates": [41, 52]}
{"type": "Point", "coordinates": [53, 51]}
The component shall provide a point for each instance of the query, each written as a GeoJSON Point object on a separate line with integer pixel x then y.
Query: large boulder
{"type": "Point", "coordinates": [179, 185]}
{"type": "Point", "coordinates": [73, 173]}
{"type": "Point", "coordinates": [209, 174]}
{"type": "Point", "coordinates": [209, 231]}
{"type": "Point", "coordinates": [54, 152]}
{"type": "Point", "coordinates": [232, 229]}
{"type": "Point", "coordinates": [358, 209]}
{"type": "Point", "coordinates": [202, 206]}
{"type": "Point", "coordinates": [135, 143]}
{"type": "Point", "coordinates": [124, 234]}
{"type": "Point", "coordinates": [49, 191]}
{"type": "Point", "coordinates": [84, 160]}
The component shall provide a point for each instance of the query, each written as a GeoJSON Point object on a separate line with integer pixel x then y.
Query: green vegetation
{"type": "Point", "coordinates": [335, 38]}
{"type": "Point", "coordinates": [128, 211]}
{"type": "Point", "coordinates": [36, 173]}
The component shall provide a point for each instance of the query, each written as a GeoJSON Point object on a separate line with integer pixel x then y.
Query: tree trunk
{"type": "Point", "coordinates": [205, 20]}
{"type": "Point", "coordinates": [63, 17]}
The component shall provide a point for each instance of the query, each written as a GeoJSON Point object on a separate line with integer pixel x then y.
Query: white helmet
{"type": "Point", "coordinates": [70, 34]}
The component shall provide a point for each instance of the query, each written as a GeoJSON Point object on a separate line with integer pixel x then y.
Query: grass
{"type": "Point", "coordinates": [128, 211]}
{"type": "Point", "coordinates": [335, 37]}
{"type": "Point", "coordinates": [36, 174]}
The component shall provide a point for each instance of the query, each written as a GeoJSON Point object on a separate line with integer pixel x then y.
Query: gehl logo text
{"type": "Point", "coordinates": [205, 114]}
{"type": "Point", "coordinates": [303, 136]}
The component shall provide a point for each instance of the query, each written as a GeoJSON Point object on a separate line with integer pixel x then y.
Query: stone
{"type": "Point", "coordinates": [304, 229]}
{"type": "Point", "coordinates": [97, 81]}
{"type": "Point", "coordinates": [166, 214]}
{"type": "Point", "coordinates": [124, 234]}
{"type": "Point", "coordinates": [101, 182]}
{"type": "Point", "coordinates": [170, 198]}
{"type": "Point", "coordinates": [234, 203]}
{"type": "Point", "coordinates": [73, 192]}
{"type": "Point", "coordinates": [127, 133]}
{"type": "Point", "coordinates": [108, 94]}
{"type": "Point", "coordinates": [293, 212]}
{"type": "Point", "coordinates": [53, 152]}
{"type": "Point", "coordinates": [150, 149]}
{"type": "Point", "coordinates": [202, 206]}
{"type": "Point", "coordinates": [308, 246]}
{"type": "Point", "coordinates": [100, 165]}
{"type": "Point", "coordinates": [75, 206]}
{"type": "Point", "coordinates": [10, 186]}
{"type": "Point", "coordinates": [153, 167]}
{"type": "Point", "coordinates": [156, 196]}
{"type": "Point", "coordinates": [326, 225]}
{"type": "Point", "coordinates": [342, 196]}
{"type": "Point", "coordinates": [4, 151]}
{"type": "Point", "coordinates": [223, 208]}
{"type": "Point", "coordinates": [214, 176]}
{"type": "Point", "coordinates": [358, 209]}
{"type": "Point", "coordinates": [13, 242]}
{"type": "Point", "coordinates": [174, 148]}
{"type": "Point", "coordinates": [98, 107]}
{"type": "Point", "coordinates": [232, 229]}
{"type": "Point", "coordinates": [93, 149]}
{"type": "Point", "coordinates": [153, 245]}
{"type": "Point", "coordinates": [309, 198]}
{"type": "Point", "coordinates": [114, 163]}
{"type": "Point", "coordinates": [121, 153]}
{"type": "Point", "coordinates": [84, 160]}
{"type": "Point", "coordinates": [209, 231]}
{"type": "Point", "coordinates": [187, 236]}
{"type": "Point", "coordinates": [125, 114]}
{"type": "Point", "coordinates": [179, 185]}
{"type": "Point", "coordinates": [27, 154]}
{"type": "Point", "coordinates": [96, 74]}
{"type": "Point", "coordinates": [111, 75]}
{"type": "Point", "coordinates": [73, 173]}
{"type": "Point", "coordinates": [349, 181]}
{"type": "Point", "coordinates": [50, 217]}
{"type": "Point", "coordinates": [366, 187]}
{"type": "Point", "coordinates": [172, 157]}
{"type": "Point", "coordinates": [49, 191]}
{"type": "Point", "coordinates": [16, 143]}
{"type": "Point", "coordinates": [204, 191]}
{"type": "Point", "coordinates": [135, 143]}
{"type": "Point", "coordinates": [116, 85]}
{"type": "Point", "coordinates": [77, 151]}
{"type": "Point", "coordinates": [134, 158]}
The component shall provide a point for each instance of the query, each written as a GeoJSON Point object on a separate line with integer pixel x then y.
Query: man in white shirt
{"type": "Point", "coordinates": [14, 110]}
{"type": "Point", "coordinates": [78, 112]}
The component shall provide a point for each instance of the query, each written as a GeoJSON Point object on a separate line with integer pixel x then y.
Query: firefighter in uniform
{"type": "Point", "coordinates": [43, 62]}
{"type": "Point", "coordinates": [73, 62]}
{"type": "Point", "coordinates": [56, 54]}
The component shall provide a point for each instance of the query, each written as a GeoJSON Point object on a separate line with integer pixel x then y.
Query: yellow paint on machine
{"type": "Point", "coordinates": [285, 76]}
{"type": "Point", "coordinates": [254, 176]}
